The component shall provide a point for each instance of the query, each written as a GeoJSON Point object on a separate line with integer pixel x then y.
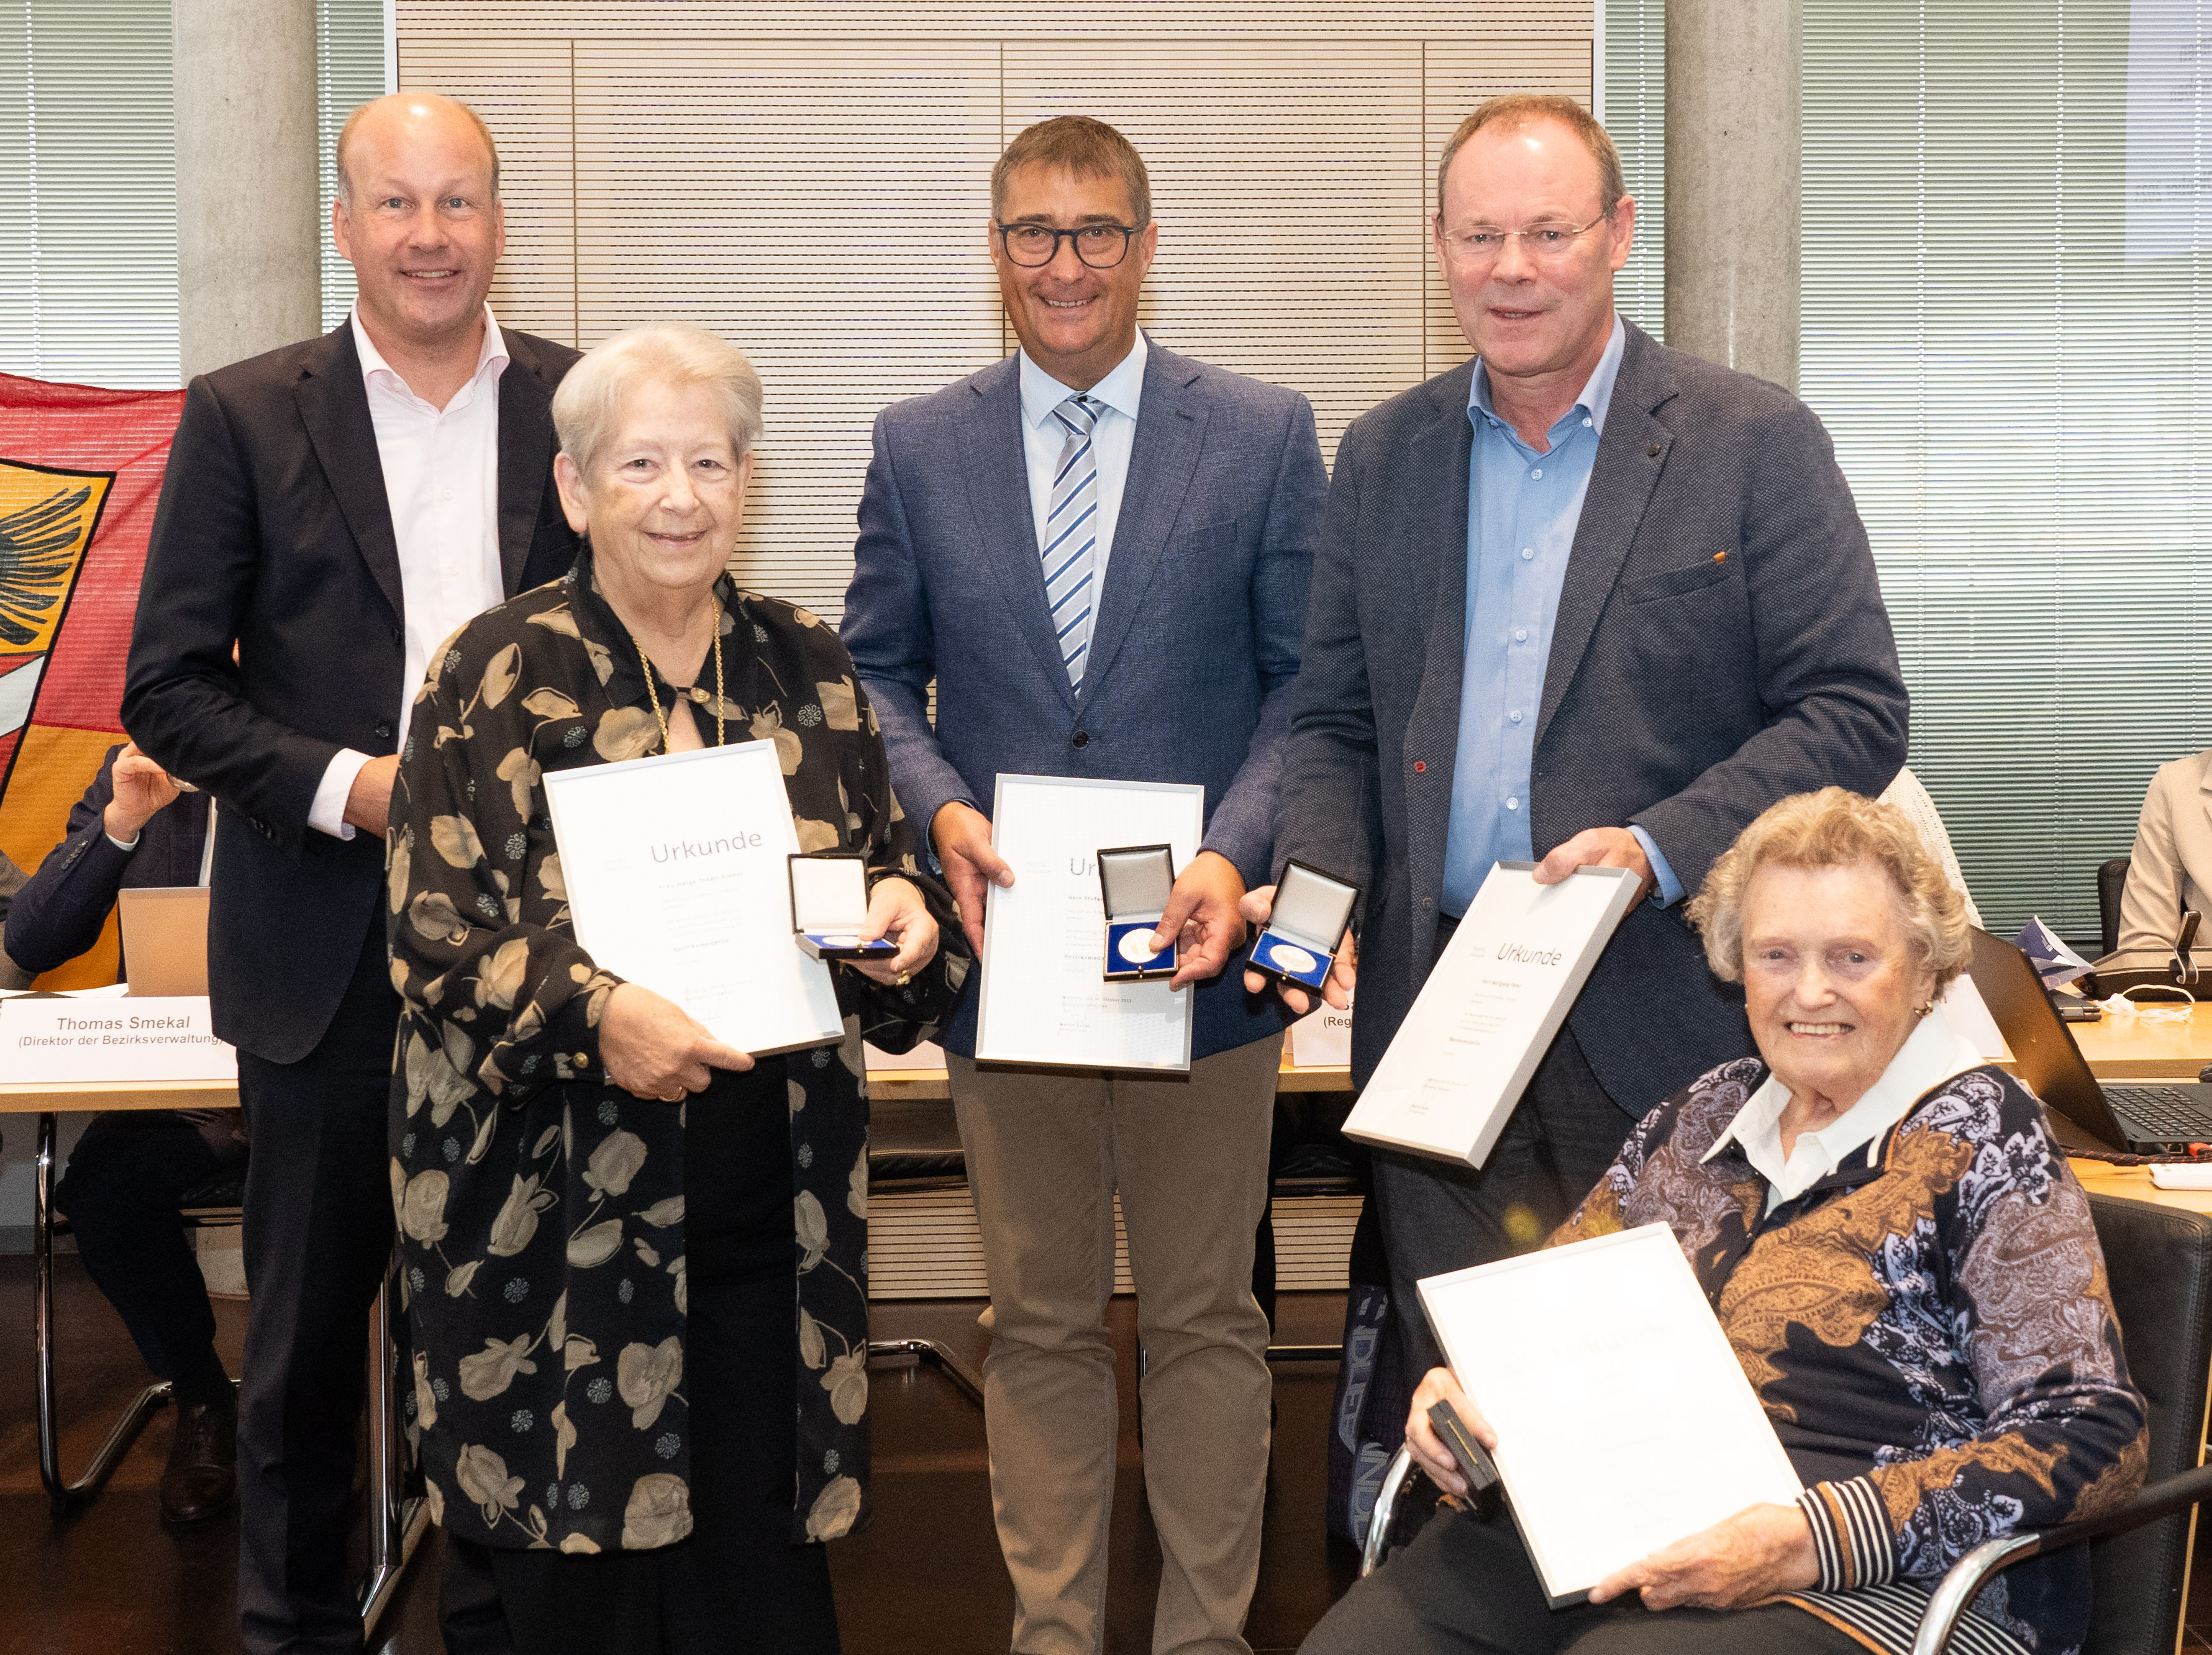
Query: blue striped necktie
{"type": "Point", "coordinates": [1071, 536]}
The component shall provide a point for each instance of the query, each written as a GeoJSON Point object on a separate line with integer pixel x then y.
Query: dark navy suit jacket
{"type": "Point", "coordinates": [58, 913]}
{"type": "Point", "coordinates": [1720, 643]}
{"type": "Point", "coordinates": [1193, 649]}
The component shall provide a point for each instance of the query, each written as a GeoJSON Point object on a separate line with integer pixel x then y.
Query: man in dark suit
{"type": "Point", "coordinates": [1099, 551]}
{"type": "Point", "coordinates": [1583, 598]}
{"type": "Point", "coordinates": [337, 509]}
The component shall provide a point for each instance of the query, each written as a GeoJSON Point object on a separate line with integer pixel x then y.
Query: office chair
{"type": "Point", "coordinates": [2158, 1261]}
{"type": "Point", "coordinates": [2112, 883]}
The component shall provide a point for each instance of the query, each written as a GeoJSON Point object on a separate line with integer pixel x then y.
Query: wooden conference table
{"type": "Point", "coordinates": [2117, 1049]}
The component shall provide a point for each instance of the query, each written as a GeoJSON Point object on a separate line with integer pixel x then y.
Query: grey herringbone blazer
{"type": "Point", "coordinates": [1720, 643]}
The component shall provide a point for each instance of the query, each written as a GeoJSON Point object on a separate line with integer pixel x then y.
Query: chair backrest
{"type": "Point", "coordinates": [2111, 882]}
{"type": "Point", "coordinates": [2159, 1263]}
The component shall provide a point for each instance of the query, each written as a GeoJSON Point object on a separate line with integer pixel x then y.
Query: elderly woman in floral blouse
{"type": "Point", "coordinates": [636, 1257]}
{"type": "Point", "coordinates": [1903, 1264]}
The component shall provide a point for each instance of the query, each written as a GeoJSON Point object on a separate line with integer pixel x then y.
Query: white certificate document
{"type": "Point", "coordinates": [677, 882]}
{"type": "Point", "coordinates": [1605, 1374]}
{"type": "Point", "coordinates": [1486, 1016]}
{"type": "Point", "coordinates": [1044, 997]}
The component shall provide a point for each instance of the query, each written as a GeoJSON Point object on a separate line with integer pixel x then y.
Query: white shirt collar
{"type": "Point", "coordinates": [1931, 1055]}
{"type": "Point", "coordinates": [1120, 390]}
{"type": "Point", "coordinates": [491, 353]}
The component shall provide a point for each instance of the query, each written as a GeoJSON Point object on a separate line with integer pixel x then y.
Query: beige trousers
{"type": "Point", "coordinates": [1046, 1154]}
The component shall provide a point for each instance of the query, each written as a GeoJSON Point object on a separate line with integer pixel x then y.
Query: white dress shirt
{"type": "Point", "coordinates": [441, 480]}
{"type": "Point", "coordinates": [1112, 438]}
{"type": "Point", "coordinates": [1931, 1055]}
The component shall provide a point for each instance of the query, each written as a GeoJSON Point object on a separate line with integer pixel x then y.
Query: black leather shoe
{"type": "Point", "coordinates": [201, 1479]}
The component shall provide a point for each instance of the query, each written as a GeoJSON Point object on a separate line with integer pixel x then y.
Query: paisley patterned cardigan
{"type": "Point", "coordinates": [541, 1212]}
{"type": "Point", "coordinates": [1929, 1330]}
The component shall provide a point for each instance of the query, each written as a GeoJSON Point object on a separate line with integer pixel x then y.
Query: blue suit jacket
{"type": "Point", "coordinates": [1193, 648]}
{"type": "Point", "coordinates": [58, 912]}
{"type": "Point", "coordinates": [1721, 643]}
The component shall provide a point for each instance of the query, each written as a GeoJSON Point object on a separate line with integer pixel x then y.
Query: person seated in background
{"type": "Point", "coordinates": [2169, 870]}
{"type": "Point", "coordinates": [1903, 1263]}
{"type": "Point", "coordinates": [129, 1171]}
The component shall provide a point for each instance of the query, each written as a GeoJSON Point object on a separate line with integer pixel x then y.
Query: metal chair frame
{"type": "Point", "coordinates": [396, 1523]}
{"type": "Point", "coordinates": [1951, 1598]}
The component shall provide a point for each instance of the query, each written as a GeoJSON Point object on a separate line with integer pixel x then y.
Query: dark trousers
{"type": "Point", "coordinates": [736, 1586]}
{"type": "Point", "coordinates": [1467, 1588]}
{"type": "Point", "coordinates": [1440, 1216]}
{"type": "Point", "coordinates": [125, 1180]}
{"type": "Point", "coordinates": [318, 1239]}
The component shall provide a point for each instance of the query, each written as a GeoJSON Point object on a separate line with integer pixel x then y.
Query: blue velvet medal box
{"type": "Point", "coordinates": [1133, 883]}
{"type": "Point", "coordinates": [1311, 912]}
{"type": "Point", "coordinates": [828, 906]}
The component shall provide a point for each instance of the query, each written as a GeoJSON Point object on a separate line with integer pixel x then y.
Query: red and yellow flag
{"type": "Point", "coordinates": [80, 473]}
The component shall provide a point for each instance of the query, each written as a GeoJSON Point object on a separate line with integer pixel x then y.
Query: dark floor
{"type": "Point", "coordinates": [112, 1580]}
{"type": "Point", "coordinates": [926, 1579]}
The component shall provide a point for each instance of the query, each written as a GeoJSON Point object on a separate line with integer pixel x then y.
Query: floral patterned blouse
{"type": "Point", "coordinates": [541, 1211]}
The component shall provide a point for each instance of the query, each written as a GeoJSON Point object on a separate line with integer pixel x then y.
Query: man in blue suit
{"type": "Point", "coordinates": [1583, 599]}
{"type": "Point", "coordinates": [1099, 550]}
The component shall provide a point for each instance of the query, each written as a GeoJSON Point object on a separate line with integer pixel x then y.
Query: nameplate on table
{"type": "Point", "coordinates": [1489, 1011]}
{"type": "Point", "coordinates": [110, 1041]}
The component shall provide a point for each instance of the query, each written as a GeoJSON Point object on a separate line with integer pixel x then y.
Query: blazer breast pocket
{"type": "Point", "coordinates": [1201, 565]}
{"type": "Point", "coordinates": [1676, 583]}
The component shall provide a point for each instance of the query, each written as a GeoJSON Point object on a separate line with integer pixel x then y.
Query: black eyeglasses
{"type": "Point", "coordinates": [1102, 246]}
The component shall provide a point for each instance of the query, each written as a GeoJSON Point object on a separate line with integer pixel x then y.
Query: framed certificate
{"type": "Point", "coordinates": [1605, 1374]}
{"type": "Point", "coordinates": [1488, 1011]}
{"type": "Point", "coordinates": [679, 875]}
{"type": "Point", "coordinates": [1043, 999]}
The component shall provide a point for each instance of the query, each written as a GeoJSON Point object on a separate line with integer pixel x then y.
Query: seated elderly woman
{"type": "Point", "coordinates": [1903, 1263]}
{"type": "Point", "coordinates": [639, 1324]}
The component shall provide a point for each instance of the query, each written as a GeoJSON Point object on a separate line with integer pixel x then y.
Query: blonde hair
{"type": "Point", "coordinates": [1834, 828]}
{"type": "Point", "coordinates": [590, 394]}
{"type": "Point", "coordinates": [1518, 109]}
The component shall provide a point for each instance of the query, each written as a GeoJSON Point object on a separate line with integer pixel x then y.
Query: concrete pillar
{"type": "Point", "coordinates": [1733, 95]}
{"type": "Point", "coordinates": [249, 275]}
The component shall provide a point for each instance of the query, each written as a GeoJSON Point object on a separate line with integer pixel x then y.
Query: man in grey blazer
{"type": "Point", "coordinates": [1100, 550]}
{"type": "Point", "coordinates": [1583, 597]}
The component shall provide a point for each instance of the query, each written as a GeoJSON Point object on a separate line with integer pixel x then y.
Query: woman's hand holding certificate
{"type": "Point", "coordinates": [653, 1048]}
{"type": "Point", "coordinates": [1741, 1561]}
{"type": "Point", "coordinates": [1744, 1558]}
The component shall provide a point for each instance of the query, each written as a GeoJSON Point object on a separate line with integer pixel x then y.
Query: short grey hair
{"type": "Point", "coordinates": [1834, 828]}
{"type": "Point", "coordinates": [673, 353]}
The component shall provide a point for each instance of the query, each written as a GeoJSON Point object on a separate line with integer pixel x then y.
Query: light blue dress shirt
{"type": "Point", "coordinates": [1522, 510]}
{"type": "Point", "coordinates": [1113, 438]}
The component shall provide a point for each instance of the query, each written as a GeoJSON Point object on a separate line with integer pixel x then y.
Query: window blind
{"type": "Point", "coordinates": [819, 192]}
{"type": "Point", "coordinates": [87, 193]}
{"type": "Point", "coordinates": [2003, 328]}
{"type": "Point", "coordinates": [1635, 114]}
{"type": "Point", "coordinates": [351, 67]}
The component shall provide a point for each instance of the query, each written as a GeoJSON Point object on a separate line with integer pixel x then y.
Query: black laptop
{"type": "Point", "coordinates": [2154, 1118]}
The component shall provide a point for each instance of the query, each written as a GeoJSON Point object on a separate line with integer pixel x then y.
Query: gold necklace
{"type": "Point", "coordinates": [667, 744]}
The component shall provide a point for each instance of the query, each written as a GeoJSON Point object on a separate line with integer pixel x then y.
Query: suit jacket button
{"type": "Point", "coordinates": [1080, 738]}
{"type": "Point", "coordinates": [384, 730]}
